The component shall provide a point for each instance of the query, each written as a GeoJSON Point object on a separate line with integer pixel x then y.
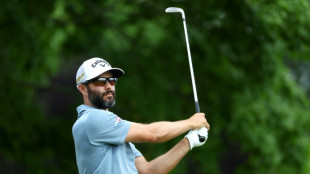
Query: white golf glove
{"type": "Point", "coordinates": [193, 137]}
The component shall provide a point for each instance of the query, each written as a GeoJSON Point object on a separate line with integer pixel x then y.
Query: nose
{"type": "Point", "coordinates": [108, 85]}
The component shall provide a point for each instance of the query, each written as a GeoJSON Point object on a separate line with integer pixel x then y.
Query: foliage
{"type": "Point", "coordinates": [258, 113]}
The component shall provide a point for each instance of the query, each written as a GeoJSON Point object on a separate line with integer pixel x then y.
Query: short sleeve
{"type": "Point", "coordinates": [106, 127]}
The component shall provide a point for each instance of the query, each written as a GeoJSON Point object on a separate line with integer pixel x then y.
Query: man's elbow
{"type": "Point", "coordinates": [155, 138]}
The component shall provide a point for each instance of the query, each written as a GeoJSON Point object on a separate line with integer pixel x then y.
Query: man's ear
{"type": "Point", "coordinates": [83, 89]}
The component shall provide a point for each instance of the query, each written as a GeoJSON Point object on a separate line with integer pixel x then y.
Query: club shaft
{"type": "Point", "coordinates": [197, 108]}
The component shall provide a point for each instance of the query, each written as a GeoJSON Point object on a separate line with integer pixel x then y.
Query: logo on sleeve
{"type": "Point", "coordinates": [117, 120]}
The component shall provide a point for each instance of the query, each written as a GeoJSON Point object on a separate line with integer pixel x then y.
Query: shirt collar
{"type": "Point", "coordinates": [82, 108]}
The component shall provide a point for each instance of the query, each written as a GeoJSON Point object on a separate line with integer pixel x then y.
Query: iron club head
{"type": "Point", "coordinates": [175, 10]}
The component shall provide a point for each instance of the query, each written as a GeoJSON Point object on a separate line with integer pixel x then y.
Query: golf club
{"type": "Point", "coordinates": [197, 108]}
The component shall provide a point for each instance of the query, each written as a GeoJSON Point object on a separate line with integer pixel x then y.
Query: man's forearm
{"type": "Point", "coordinates": [168, 130]}
{"type": "Point", "coordinates": [165, 131]}
{"type": "Point", "coordinates": [166, 162]}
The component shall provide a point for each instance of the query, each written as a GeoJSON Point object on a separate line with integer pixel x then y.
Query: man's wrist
{"type": "Point", "coordinates": [186, 142]}
{"type": "Point", "coordinates": [188, 124]}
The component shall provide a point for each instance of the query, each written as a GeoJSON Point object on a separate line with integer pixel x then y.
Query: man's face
{"type": "Point", "coordinates": [102, 96]}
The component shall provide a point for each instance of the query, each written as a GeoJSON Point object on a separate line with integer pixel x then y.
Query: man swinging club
{"type": "Point", "coordinates": [104, 141]}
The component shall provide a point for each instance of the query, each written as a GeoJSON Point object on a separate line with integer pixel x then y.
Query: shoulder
{"type": "Point", "coordinates": [100, 115]}
{"type": "Point", "coordinates": [99, 112]}
{"type": "Point", "coordinates": [97, 116]}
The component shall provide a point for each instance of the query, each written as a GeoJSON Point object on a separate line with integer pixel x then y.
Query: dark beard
{"type": "Point", "coordinates": [97, 100]}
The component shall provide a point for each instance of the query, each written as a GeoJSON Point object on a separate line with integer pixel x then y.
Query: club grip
{"type": "Point", "coordinates": [203, 131]}
{"type": "Point", "coordinates": [197, 108]}
{"type": "Point", "coordinates": [201, 138]}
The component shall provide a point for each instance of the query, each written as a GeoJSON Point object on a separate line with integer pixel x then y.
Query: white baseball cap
{"type": "Point", "coordinates": [94, 67]}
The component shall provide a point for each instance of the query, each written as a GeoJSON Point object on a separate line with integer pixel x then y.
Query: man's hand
{"type": "Point", "coordinates": [198, 120]}
{"type": "Point", "coordinates": [193, 137]}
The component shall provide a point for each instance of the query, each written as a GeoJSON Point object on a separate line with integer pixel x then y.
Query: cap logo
{"type": "Point", "coordinates": [79, 78]}
{"type": "Point", "coordinates": [100, 61]}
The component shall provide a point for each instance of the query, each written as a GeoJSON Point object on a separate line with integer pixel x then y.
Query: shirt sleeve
{"type": "Point", "coordinates": [106, 127]}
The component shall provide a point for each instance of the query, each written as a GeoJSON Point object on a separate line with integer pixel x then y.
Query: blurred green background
{"type": "Point", "coordinates": [252, 66]}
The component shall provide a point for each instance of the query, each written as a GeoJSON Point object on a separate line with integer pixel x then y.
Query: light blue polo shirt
{"type": "Point", "coordinates": [99, 143]}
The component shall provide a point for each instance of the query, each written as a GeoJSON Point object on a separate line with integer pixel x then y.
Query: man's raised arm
{"type": "Point", "coordinates": [164, 130]}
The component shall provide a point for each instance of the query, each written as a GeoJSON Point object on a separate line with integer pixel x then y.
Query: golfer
{"type": "Point", "coordinates": [104, 140]}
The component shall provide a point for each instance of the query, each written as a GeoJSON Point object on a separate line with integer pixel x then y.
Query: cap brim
{"type": "Point", "coordinates": [117, 72]}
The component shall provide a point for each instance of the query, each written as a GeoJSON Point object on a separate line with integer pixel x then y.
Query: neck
{"type": "Point", "coordinates": [88, 103]}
